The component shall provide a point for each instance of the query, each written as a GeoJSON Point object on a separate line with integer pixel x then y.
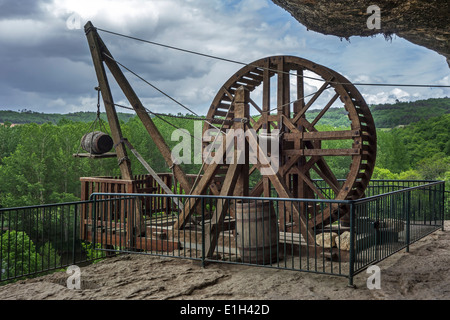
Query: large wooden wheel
{"type": "Point", "coordinates": [277, 87]}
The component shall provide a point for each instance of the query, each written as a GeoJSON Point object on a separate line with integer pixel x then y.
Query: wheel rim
{"type": "Point", "coordinates": [286, 78]}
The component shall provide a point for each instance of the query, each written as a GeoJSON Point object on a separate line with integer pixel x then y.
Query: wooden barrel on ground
{"type": "Point", "coordinates": [97, 142]}
{"type": "Point", "coordinates": [256, 231]}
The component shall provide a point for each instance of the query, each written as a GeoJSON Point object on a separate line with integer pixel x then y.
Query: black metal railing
{"type": "Point", "coordinates": [39, 239]}
{"type": "Point", "coordinates": [389, 222]}
{"type": "Point", "coordinates": [294, 234]}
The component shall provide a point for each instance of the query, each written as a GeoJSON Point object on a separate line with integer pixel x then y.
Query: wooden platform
{"type": "Point", "coordinates": [161, 238]}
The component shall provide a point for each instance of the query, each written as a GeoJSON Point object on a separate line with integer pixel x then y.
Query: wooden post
{"type": "Point", "coordinates": [217, 219]}
{"type": "Point", "coordinates": [116, 132]}
{"type": "Point", "coordinates": [96, 47]}
{"type": "Point", "coordinates": [283, 110]}
{"type": "Point", "coordinates": [241, 111]}
{"type": "Point", "coordinates": [142, 113]}
{"type": "Point", "coordinates": [266, 111]}
{"type": "Point", "coordinates": [283, 191]}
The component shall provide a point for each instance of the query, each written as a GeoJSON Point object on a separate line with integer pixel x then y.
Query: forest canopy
{"type": "Point", "coordinates": [37, 166]}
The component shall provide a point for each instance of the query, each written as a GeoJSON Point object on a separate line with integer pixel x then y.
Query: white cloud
{"type": "Point", "coordinates": [246, 30]}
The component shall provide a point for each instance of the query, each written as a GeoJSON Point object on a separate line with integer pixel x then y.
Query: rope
{"type": "Point", "coordinates": [274, 70]}
{"type": "Point", "coordinates": [159, 90]}
{"type": "Point", "coordinates": [158, 115]}
{"type": "Point", "coordinates": [98, 120]}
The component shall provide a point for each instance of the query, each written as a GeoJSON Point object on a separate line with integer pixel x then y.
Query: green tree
{"type": "Point", "coordinates": [391, 152]}
{"type": "Point", "coordinates": [19, 255]}
{"type": "Point", "coordinates": [434, 168]}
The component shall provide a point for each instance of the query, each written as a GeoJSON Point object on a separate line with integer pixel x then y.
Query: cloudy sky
{"type": "Point", "coordinates": [45, 63]}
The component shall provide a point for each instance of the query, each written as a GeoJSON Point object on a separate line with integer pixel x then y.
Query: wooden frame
{"type": "Point", "coordinates": [301, 149]}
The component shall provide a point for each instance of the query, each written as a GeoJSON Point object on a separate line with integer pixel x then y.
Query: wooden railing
{"type": "Point", "coordinates": [141, 184]}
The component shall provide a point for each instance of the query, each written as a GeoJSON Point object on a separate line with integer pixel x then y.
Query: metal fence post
{"type": "Point", "coordinates": [352, 245]}
{"type": "Point", "coordinates": [74, 233]}
{"type": "Point", "coordinates": [443, 205]}
{"type": "Point", "coordinates": [94, 223]}
{"type": "Point", "coordinates": [408, 214]}
{"type": "Point", "coordinates": [203, 231]}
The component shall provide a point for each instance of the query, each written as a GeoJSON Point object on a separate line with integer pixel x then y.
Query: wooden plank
{"type": "Point", "coordinates": [309, 182]}
{"type": "Point", "coordinates": [199, 189]}
{"type": "Point", "coordinates": [319, 135]}
{"type": "Point", "coordinates": [84, 208]}
{"type": "Point", "coordinates": [322, 152]}
{"type": "Point", "coordinates": [241, 109]}
{"type": "Point", "coordinates": [300, 103]}
{"type": "Point", "coordinates": [327, 175]}
{"type": "Point", "coordinates": [266, 97]}
{"type": "Point", "coordinates": [95, 156]}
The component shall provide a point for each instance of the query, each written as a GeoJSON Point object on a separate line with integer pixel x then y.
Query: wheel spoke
{"type": "Point", "coordinates": [324, 110]}
{"type": "Point", "coordinates": [312, 100]}
{"type": "Point", "coordinates": [304, 149]}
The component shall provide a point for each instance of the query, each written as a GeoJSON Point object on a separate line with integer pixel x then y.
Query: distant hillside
{"type": "Point", "coordinates": [27, 116]}
{"type": "Point", "coordinates": [403, 113]}
{"type": "Point", "coordinates": [385, 115]}
{"type": "Point", "coordinates": [390, 115]}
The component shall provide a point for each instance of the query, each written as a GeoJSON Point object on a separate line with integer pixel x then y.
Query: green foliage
{"type": "Point", "coordinates": [383, 174]}
{"type": "Point", "coordinates": [37, 167]}
{"type": "Point", "coordinates": [19, 255]}
{"type": "Point", "coordinates": [40, 168]}
{"type": "Point", "coordinates": [389, 115]}
{"type": "Point", "coordinates": [50, 257]}
{"type": "Point", "coordinates": [334, 117]}
{"type": "Point", "coordinates": [391, 152]}
{"type": "Point", "coordinates": [91, 252]}
{"type": "Point", "coordinates": [404, 113]}
{"type": "Point", "coordinates": [434, 168]}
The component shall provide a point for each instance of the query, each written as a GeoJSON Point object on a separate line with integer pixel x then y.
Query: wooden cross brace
{"type": "Point", "coordinates": [236, 181]}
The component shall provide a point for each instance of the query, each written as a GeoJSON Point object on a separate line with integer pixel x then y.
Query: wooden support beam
{"type": "Point", "coordinates": [323, 152]}
{"type": "Point", "coordinates": [152, 172]}
{"type": "Point", "coordinates": [241, 110]}
{"type": "Point", "coordinates": [320, 135]}
{"type": "Point", "coordinates": [95, 47]}
{"type": "Point", "coordinates": [199, 189]}
{"type": "Point", "coordinates": [282, 189]}
{"type": "Point", "coordinates": [139, 109]}
{"type": "Point", "coordinates": [311, 101]}
{"type": "Point", "coordinates": [324, 110]}
{"type": "Point", "coordinates": [222, 205]}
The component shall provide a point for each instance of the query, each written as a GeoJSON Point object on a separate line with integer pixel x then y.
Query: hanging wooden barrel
{"type": "Point", "coordinates": [97, 142]}
{"type": "Point", "coordinates": [256, 231]}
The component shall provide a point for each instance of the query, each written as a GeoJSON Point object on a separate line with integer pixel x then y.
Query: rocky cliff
{"type": "Point", "coordinates": [422, 22]}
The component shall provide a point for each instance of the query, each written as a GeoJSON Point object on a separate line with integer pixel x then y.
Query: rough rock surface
{"type": "Point", "coordinates": [422, 22]}
{"type": "Point", "coordinates": [326, 239]}
{"type": "Point", "coordinates": [423, 273]}
{"type": "Point", "coordinates": [343, 241]}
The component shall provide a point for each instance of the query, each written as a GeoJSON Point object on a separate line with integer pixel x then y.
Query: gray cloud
{"type": "Point", "coordinates": [45, 66]}
{"type": "Point", "coordinates": [22, 8]}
